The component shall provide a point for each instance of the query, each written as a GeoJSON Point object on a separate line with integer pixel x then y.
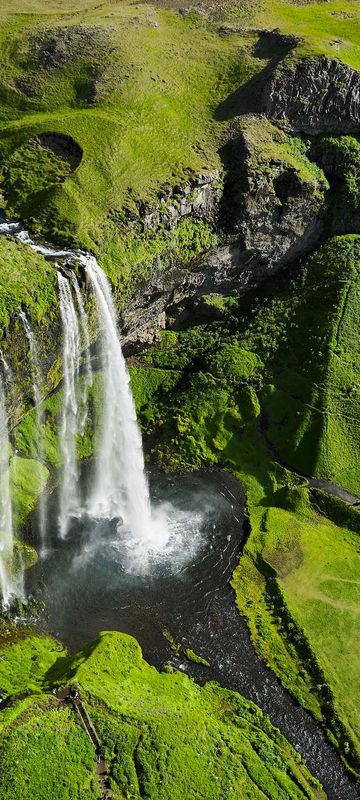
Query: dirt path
{"type": "Point", "coordinates": [70, 697]}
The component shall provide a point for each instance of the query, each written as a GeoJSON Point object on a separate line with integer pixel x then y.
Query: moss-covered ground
{"type": "Point", "coordinates": [26, 281]}
{"type": "Point", "coordinates": [163, 736]}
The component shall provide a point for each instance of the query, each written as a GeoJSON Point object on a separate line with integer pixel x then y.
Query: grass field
{"type": "Point", "coordinates": [317, 566]}
{"type": "Point", "coordinates": [136, 88]}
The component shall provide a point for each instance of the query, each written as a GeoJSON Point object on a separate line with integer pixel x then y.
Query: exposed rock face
{"type": "Point", "coordinates": [199, 198]}
{"type": "Point", "coordinates": [277, 197]}
{"type": "Point", "coordinates": [172, 292]}
{"type": "Point", "coordinates": [274, 203]}
{"type": "Point", "coordinates": [281, 216]}
{"type": "Point", "coordinates": [315, 95]}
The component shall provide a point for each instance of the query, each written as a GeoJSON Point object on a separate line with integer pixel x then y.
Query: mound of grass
{"type": "Point", "coordinates": [28, 478]}
{"type": "Point", "coordinates": [164, 736]}
{"type": "Point", "coordinates": [24, 664]}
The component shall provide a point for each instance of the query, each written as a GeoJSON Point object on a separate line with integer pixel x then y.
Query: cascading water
{"type": "Point", "coordinates": [88, 378]}
{"type": "Point", "coordinates": [7, 580]}
{"type": "Point", "coordinates": [120, 488]}
{"type": "Point", "coordinates": [36, 383]}
{"type": "Point", "coordinates": [69, 492]}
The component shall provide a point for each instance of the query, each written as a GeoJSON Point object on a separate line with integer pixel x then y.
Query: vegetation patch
{"type": "Point", "coordinates": [27, 281]}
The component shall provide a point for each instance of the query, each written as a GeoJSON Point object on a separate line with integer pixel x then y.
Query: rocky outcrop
{"type": "Point", "coordinates": [271, 213]}
{"type": "Point", "coordinates": [315, 95]}
{"type": "Point", "coordinates": [198, 198]}
{"type": "Point", "coordinates": [281, 213]}
{"type": "Point", "coordinates": [173, 293]}
{"type": "Point", "coordinates": [275, 194]}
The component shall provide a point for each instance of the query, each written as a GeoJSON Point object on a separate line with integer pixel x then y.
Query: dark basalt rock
{"type": "Point", "coordinates": [272, 213]}
{"type": "Point", "coordinates": [315, 95]}
{"type": "Point", "coordinates": [275, 208]}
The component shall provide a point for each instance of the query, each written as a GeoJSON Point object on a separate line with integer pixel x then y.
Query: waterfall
{"type": "Point", "coordinates": [69, 493]}
{"type": "Point", "coordinates": [7, 580]}
{"type": "Point", "coordinates": [36, 383]}
{"type": "Point", "coordinates": [7, 369]}
{"type": "Point", "coordinates": [120, 488]}
{"type": "Point", "coordinates": [88, 378]}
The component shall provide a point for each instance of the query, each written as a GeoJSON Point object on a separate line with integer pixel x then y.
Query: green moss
{"type": "Point", "coordinates": [269, 146]}
{"type": "Point", "coordinates": [47, 751]}
{"type": "Point", "coordinates": [24, 664]}
{"type": "Point", "coordinates": [231, 361]}
{"type": "Point", "coordinates": [335, 509]}
{"type": "Point", "coordinates": [31, 164]}
{"type": "Point", "coordinates": [26, 433]}
{"type": "Point", "coordinates": [192, 238]}
{"type": "Point", "coordinates": [180, 649]}
{"type": "Point", "coordinates": [28, 478]}
{"type": "Point", "coordinates": [26, 280]}
{"type": "Point", "coordinates": [341, 156]}
{"type": "Point", "coordinates": [192, 656]}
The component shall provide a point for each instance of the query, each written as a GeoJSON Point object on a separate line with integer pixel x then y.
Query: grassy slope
{"type": "Point", "coordinates": [33, 760]}
{"type": "Point", "coordinates": [148, 723]}
{"type": "Point", "coordinates": [138, 98]}
{"type": "Point", "coordinates": [149, 124]}
{"type": "Point", "coordinates": [331, 28]}
{"type": "Point", "coordinates": [317, 566]}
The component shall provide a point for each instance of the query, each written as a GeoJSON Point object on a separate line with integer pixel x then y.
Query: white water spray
{"type": "Point", "coordinates": [88, 378]}
{"type": "Point", "coordinates": [36, 379]}
{"type": "Point", "coordinates": [120, 489]}
{"type": "Point", "coordinates": [7, 581]}
{"type": "Point", "coordinates": [69, 493]}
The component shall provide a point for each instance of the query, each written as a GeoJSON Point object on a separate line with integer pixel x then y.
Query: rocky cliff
{"type": "Point", "coordinates": [315, 95]}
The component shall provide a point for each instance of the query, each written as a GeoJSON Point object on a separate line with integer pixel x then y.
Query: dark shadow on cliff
{"type": "Point", "coordinates": [273, 47]}
{"type": "Point", "coordinates": [65, 667]}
